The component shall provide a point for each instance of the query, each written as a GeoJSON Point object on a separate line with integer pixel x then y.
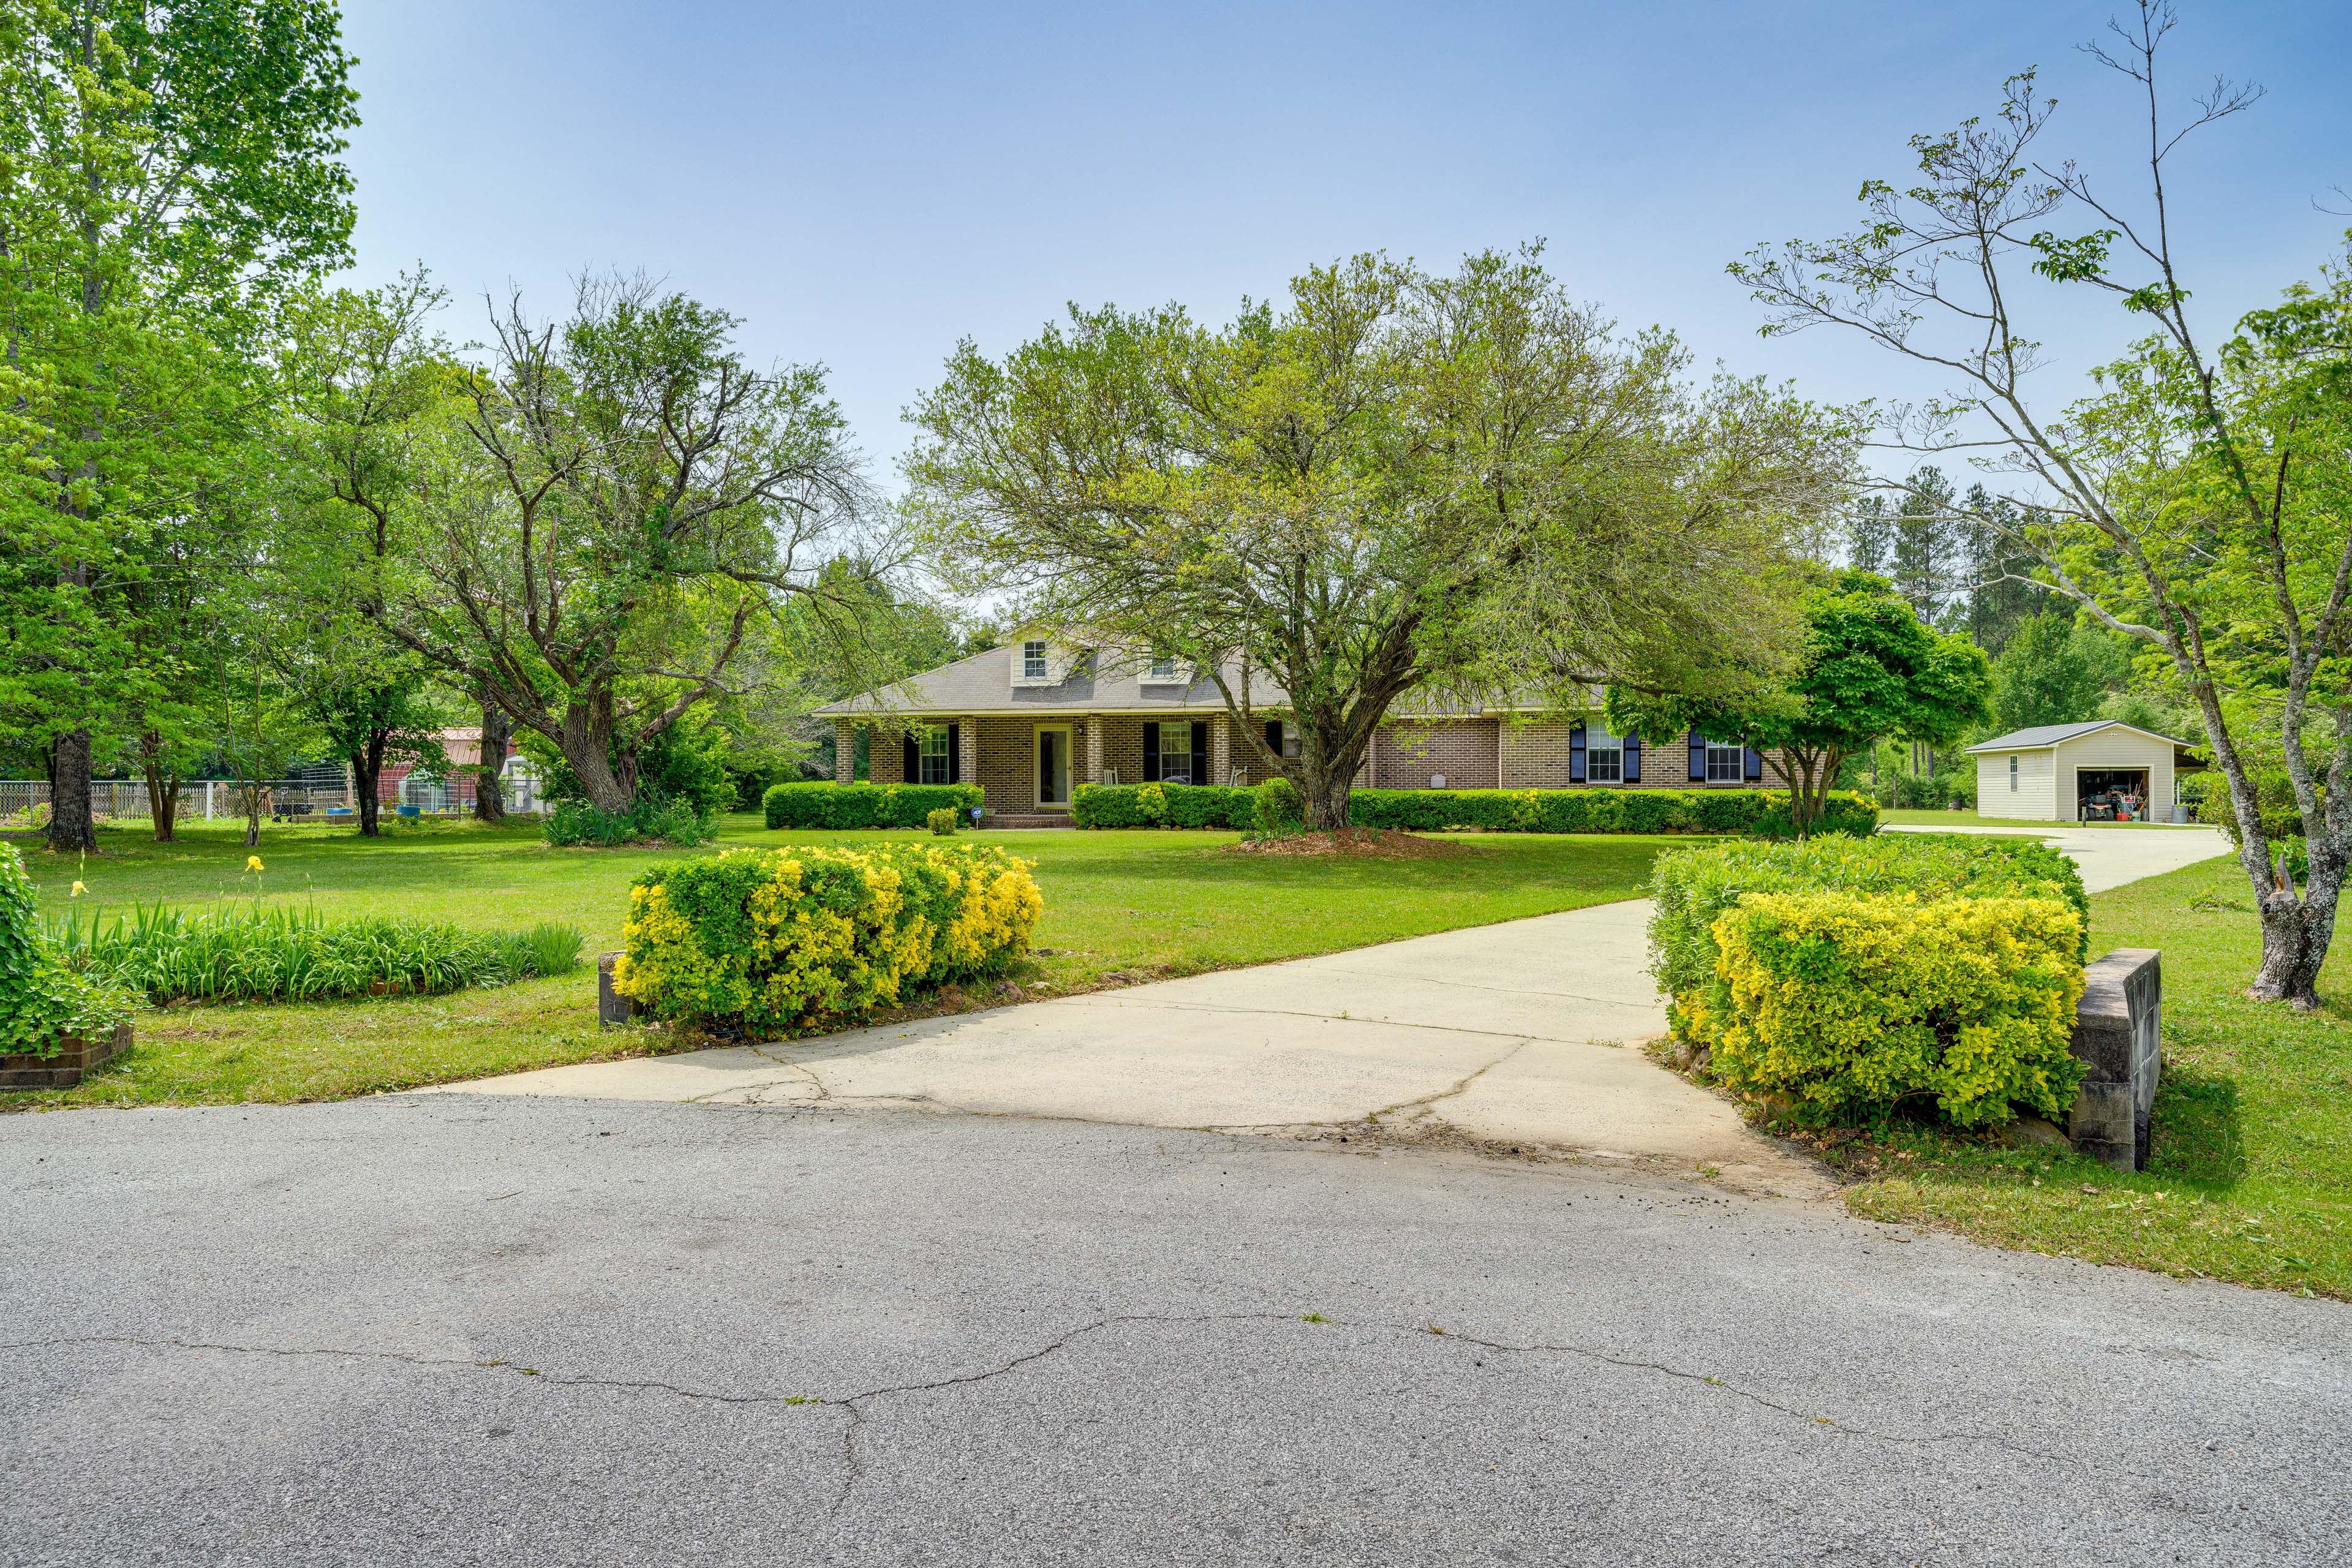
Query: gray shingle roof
{"type": "Point", "coordinates": [2042, 735]}
{"type": "Point", "coordinates": [983, 684]}
{"type": "Point", "coordinates": [1100, 680]}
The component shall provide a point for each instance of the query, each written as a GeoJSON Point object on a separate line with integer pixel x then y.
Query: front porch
{"type": "Point", "coordinates": [1028, 767]}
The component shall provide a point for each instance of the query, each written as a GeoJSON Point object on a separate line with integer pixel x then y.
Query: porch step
{"type": "Point", "coordinates": [1026, 819]}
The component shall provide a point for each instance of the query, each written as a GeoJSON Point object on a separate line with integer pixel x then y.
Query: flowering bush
{"type": "Point", "coordinates": [1850, 974]}
{"type": "Point", "coordinates": [1852, 1005]}
{"type": "Point", "coordinates": [42, 999]}
{"type": "Point", "coordinates": [769, 938]}
{"type": "Point", "coordinates": [941, 822]}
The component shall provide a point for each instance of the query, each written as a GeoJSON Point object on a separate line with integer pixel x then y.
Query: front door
{"type": "Point", "coordinates": [1053, 767]}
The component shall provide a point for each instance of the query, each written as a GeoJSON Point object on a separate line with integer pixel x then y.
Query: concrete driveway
{"type": "Point", "coordinates": [1518, 1036]}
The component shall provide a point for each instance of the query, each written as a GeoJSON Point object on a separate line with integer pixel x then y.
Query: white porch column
{"type": "Point", "coordinates": [844, 751]}
{"type": "Point", "coordinates": [1094, 748]}
{"type": "Point", "coordinates": [1220, 751]}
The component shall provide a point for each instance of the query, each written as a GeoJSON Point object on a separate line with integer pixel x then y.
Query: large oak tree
{"type": "Point", "coordinates": [1389, 487]}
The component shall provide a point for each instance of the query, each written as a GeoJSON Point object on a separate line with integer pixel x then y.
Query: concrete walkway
{"type": "Point", "coordinates": [1518, 1034]}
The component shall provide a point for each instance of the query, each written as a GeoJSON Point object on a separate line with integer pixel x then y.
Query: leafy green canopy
{"type": "Point", "coordinates": [173, 169]}
{"type": "Point", "coordinates": [1389, 482]}
{"type": "Point", "coordinates": [1870, 667]}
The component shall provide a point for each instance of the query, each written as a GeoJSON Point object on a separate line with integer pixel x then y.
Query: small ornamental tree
{"type": "Point", "coordinates": [1870, 670]}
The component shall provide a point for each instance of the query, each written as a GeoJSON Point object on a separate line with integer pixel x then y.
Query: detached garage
{"type": "Point", "coordinates": [2068, 772]}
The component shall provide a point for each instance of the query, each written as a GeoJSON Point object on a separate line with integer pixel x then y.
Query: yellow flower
{"type": "Point", "coordinates": [78, 891]}
{"type": "Point", "coordinates": [252, 862]}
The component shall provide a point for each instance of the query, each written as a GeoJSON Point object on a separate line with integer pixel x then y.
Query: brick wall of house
{"type": "Point", "coordinates": [1463, 750]}
{"type": "Point", "coordinates": [1008, 770]}
{"type": "Point", "coordinates": [1533, 756]}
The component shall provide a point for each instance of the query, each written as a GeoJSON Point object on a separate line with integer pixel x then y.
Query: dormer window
{"type": "Point", "coordinates": [1033, 661]}
{"type": "Point", "coordinates": [1163, 666]}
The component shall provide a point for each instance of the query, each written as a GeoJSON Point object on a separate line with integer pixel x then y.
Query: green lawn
{"type": "Point", "coordinates": [1170, 902]}
{"type": "Point", "coordinates": [1891, 816]}
{"type": "Point", "coordinates": [2250, 1179]}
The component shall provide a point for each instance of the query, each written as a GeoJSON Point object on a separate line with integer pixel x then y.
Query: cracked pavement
{"type": "Point", "coordinates": [507, 1329]}
{"type": "Point", "coordinates": [1513, 1035]}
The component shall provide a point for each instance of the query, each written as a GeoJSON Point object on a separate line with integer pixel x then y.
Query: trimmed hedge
{"type": "Point", "coordinates": [764, 939]}
{"type": "Point", "coordinates": [820, 803]}
{"type": "Point", "coordinates": [1589, 810]}
{"type": "Point", "coordinates": [1852, 1005]}
{"type": "Point", "coordinates": [1161, 805]}
{"type": "Point", "coordinates": [1767, 993]}
{"type": "Point", "coordinates": [1597, 810]}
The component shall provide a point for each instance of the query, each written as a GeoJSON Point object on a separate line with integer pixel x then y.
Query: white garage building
{"type": "Point", "coordinates": [2049, 773]}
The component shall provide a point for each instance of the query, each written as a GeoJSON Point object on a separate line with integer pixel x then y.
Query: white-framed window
{"type": "Point", "coordinates": [1290, 742]}
{"type": "Point", "coordinates": [2012, 775]}
{"type": "Point", "coordinates": [1032, 660]}
{"type": "Point", "coordinates": [1604, 756]}
{"type": "Point", "coordinates": [931, 755]}
{"type": "Point", "coordinates": [1727, 762]}
{"type": "Point", "coordinates": [1163, 666]}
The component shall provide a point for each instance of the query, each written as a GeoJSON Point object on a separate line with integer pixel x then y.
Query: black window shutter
{"type": "Point", "coordinates": [955, 753]}
{"type": "Point", "coordinates": [1150, 753]}
{"type": "Point", "coordinates": [1576, 753]}
{"type": "Point", "coordinates": [1698, 757]}
{"type": "Point", "coordinates": [1755, 768]}
{"type": "Point", "coordinates": [1274, 736]}
{"type": "Point", "coordinates": [912, 758]}
{"type": "Point", "coordinates": [1201, 751]}
{"type": "Point", "coordinates": [1632, 759]}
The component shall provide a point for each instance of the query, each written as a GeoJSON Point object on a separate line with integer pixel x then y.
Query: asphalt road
{"type": "Point", "coordinates": [471, 1330]}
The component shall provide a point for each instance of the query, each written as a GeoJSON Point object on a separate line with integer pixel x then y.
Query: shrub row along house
{"type": "Point", "coordinates": [1030, 721]}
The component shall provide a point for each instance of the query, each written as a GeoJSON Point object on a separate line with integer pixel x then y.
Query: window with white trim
{"type": "Point", "coordinates": [1163, 666]}
{"type": "Point", "coordinates": [931, 755]}
{"type": "Point", "coordinates": [2012, 775]}
{"type": "Point", "coordinates": [1727, 762]}
{"type": "Point", "coordinates": [1604, 756]}
{"type": "Point", "coordinates": [1033, 661]}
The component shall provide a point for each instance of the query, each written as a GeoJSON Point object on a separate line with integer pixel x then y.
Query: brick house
{"type": "Point", "coordinates": [1034, 719]}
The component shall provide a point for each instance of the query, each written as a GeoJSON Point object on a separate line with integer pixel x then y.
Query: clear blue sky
{"type": "Point", "coordinates": [864, 183]}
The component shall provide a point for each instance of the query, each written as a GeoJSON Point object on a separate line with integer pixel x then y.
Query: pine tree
{"type": "Point", "coordinates": [2000, 596]}
{"type": "Point", "coordinates": [1929, 553]}
{"type": "Point", "coordinates": [1870, 534]}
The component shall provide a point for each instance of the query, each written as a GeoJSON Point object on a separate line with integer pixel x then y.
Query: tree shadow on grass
{"type": "Point", "coordinates": [2197, 1133]}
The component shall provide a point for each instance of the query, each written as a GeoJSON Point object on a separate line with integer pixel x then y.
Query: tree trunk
{"type": "Point", "coordinates": [586, 741]}
{"type": "Point", "coordinates": [1326, 799]}
{"type": "Point", "coordinates": [162, 787]}
{"type": "Point", "coordinates": [367, 783]}
{"type": "Point", "coordinates": [257, 796]}
{"type": "Point", "coordinates": [489, 785]}
{"type": "Point", "coordinates": [2296, 932]}
{"type": "Point", "coordinates": [72, 827]}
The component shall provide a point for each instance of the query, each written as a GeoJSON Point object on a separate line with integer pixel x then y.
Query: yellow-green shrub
{"type": "Point", "coordinates": [769, 938]}
{"type": "Point", "coordinates": [1853, 1004]}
